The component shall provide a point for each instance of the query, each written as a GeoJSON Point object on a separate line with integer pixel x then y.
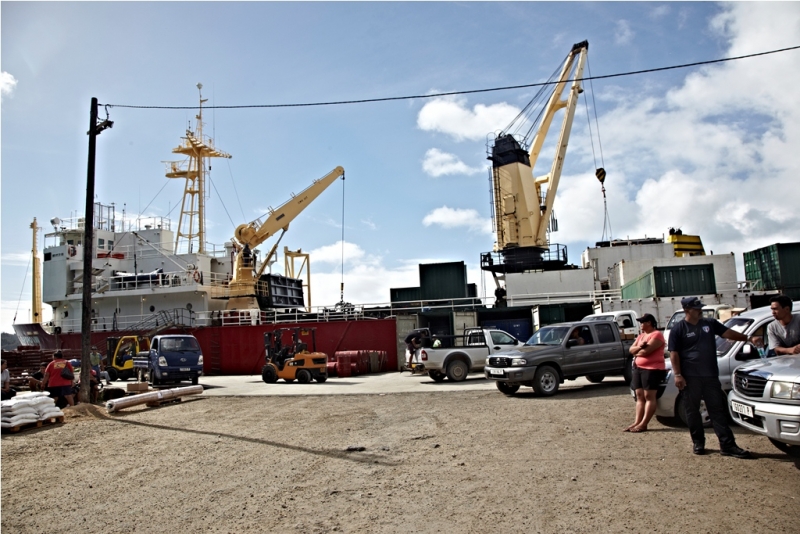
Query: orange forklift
{"type": "Point", "coordinates": [294, 361]}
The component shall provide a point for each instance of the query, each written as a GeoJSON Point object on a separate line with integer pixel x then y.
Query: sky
{"type": "Point", "coordinates": [710, 149]}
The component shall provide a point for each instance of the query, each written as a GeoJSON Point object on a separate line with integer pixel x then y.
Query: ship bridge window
{"type": "Point", "coordinates": [110, 245]}
{"type": "Point", "coordinates": [48, 256]}
{"type": "Point", "coordinates": [70, 241]}
{"type": "Point", "coordinates": [101, 243]}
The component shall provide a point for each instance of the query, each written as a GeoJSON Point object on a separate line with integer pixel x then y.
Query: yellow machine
{"type": "Point", "coordinates": [685, 244]}
{"type": "Point", "coordinates": [244, 287]}
{"type": "Point", "coordinates": [293, 362]}
{"type": "Point", "coordinates": [120, 353]}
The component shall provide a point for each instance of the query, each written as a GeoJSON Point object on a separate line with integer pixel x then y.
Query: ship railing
{"type": "Point", "coordinates": [530, 299]}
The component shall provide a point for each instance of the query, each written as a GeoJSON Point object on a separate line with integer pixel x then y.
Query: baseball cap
{"type": "Point", "coordinates": [691, 302]}
{"type": "Point", "coordinates": [648, 318]}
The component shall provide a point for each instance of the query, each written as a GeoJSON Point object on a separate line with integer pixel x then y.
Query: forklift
{"type": "Point", "coordinates": [120, 352]}
{"type": "Point", "coordinates": [293, 362]}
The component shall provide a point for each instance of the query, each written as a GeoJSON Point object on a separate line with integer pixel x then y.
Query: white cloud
{"type": "Point", "coordinates": [438, 163]}
{"type": "Point", "coordinates": [454, 118]}
{"type": "Point", "coordinates": [17, 258]}
{"type": "Point", "coordinates": [659, 12]}
{"type": "Point", "coordinates": [623, 33]}
{"type": "Point", "coordinates": [458, 218]}
{"type": "Point", "coordinates": [334, 253]}
{"type": "Point", "coordinates": [7, 84]}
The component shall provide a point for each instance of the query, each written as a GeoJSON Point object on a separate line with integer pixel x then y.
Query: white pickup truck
{"type": "Point", "coordinates": [454, 357]}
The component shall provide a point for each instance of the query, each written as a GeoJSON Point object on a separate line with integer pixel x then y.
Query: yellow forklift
{"type": "Point", "coordinates": [294, 361]}
{"type": "Point", "coordinates": [120, 352]}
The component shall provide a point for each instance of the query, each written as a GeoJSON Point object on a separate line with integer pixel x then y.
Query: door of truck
{"type": "Point", "coordinates": [610, 351]}
{"type": "Point", "coordinates": [582, 358]}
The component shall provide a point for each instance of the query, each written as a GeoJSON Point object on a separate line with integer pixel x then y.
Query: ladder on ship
{"type": "Point", "coordinates": [151, 326]}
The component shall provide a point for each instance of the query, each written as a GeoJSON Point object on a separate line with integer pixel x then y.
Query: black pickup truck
{"type": "Point", "coordinates": [562, 352]}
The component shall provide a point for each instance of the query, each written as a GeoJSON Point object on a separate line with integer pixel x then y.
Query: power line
{"type": "Point", "coordinates": [452, 93]}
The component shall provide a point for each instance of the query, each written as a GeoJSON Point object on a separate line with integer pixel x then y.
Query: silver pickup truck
{"type": "Point", "coordinates": [562, 352]}
{"type": "Point", "coordinates": [454, 357]}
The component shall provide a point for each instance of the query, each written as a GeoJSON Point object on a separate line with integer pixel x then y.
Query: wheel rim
{"type": "Point", "coordinates": [458, 371]}
{"type": "Point", "coordinates": [548, 382]}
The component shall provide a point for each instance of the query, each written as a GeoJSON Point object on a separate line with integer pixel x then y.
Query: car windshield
{"type": "Point", "coordinates": [549, 335]}
{"type": "Point", "coordinates": [599, 318]}
{"type": "Point", "coordinates": [179, 344]}
{"type": "Point", "coordinates": [739, 324]}
{"type": "Point", "coordinates": [675, 319]}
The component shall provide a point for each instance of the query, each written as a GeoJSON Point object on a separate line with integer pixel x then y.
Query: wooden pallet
{"type": "Point", "coordinates": [156, 404]}
{"type": "Point", "coordinates": [37, 424]}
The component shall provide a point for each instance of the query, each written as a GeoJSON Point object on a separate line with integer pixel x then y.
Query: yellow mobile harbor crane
{"type": "Point", "coordinates": [523, 203]}
{"type": "Point", "coordinates": [245, 286]}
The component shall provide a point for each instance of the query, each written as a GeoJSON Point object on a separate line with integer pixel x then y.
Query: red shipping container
{"type": "Point", "coordinates": [363, 361]}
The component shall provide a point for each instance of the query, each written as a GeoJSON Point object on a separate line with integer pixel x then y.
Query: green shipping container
{"type": "Point", "coordinates": [443, 280]}
{"type": "Point", "coordinates": [775, 267]}
{"type": "Point", "coordinates": [405, 294]}
{"type": "Point", "coordinates": [672, 281]}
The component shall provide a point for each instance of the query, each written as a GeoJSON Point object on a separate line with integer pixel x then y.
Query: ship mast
{"type": "Point", "coordinates": [36, 293]}
{"type": "Point", "coordinates": [192, 222]}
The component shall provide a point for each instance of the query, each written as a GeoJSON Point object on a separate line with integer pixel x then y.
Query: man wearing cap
{"type": "Point", "coordinates": [693, 353]}
{"type": "Point", "coordinates": [648, 371]}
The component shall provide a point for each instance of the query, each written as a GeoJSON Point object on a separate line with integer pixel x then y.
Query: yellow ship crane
{"type": "Point", "coordinates": [523, 203]}
{"type": "Point", "coordinates": [244, 287]}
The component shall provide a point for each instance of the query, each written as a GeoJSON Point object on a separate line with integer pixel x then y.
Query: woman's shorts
{"type": "Point", "coordinates": [647, 378]}
{"type": "Point", "coordinates": [59, 391]}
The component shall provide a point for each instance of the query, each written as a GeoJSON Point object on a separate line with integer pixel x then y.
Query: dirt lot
{"type": "Point", "coordinates": [460, 461]}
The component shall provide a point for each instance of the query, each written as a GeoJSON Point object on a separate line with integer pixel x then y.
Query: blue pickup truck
{"type": "Point", "coordinates": [171, 358]}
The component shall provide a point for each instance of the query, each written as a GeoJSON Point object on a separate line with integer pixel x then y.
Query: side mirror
{"type": "Point", "coordinates": [571, 342]}
{"type": "Point", "coordinates": [748, 352]}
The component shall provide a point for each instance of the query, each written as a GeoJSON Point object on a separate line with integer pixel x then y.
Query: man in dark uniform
{"type": "Point", "coordinates": [693, 353]}
{"type": "Point", "coordinates": [413, 342]}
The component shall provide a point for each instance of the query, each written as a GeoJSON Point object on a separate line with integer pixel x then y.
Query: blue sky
{"type": "Point", "coordinates": [711, 149]}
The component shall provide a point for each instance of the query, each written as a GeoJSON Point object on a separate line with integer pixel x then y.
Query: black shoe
{"type": "Point", "coordinates": [737, 452]}
{"type": "Point", "coordinates": [699, 449]}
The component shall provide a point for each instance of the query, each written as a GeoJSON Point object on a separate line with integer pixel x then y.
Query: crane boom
{"type": "Point", "coordinates": [523, 203]}
{"type": "Point", "coordinates": [242, 287]}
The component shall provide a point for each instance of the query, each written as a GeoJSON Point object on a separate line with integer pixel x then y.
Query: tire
{"type": "Point", "coordinates": [195, 380]}
{"type": "Point", "coordinates": [153, 380]}
{"type": "Point", "coordinates": [112, 373]}
{"type": "Point", "coordinates": [546, 381]}
{"type": "Point", "coordinates": [140, 375]}
{"type": "Point", "coordinates": [269, 375]}
{"type": "Point", "coordinates": [506, 388]}
{"type": "Point", "coordinates": [288, 380]}
{"type": "Point", "coordinates": [627, 372]}
{"type": "Point", "coordinates": [457, 371]}
{"type": "Point", "coordinates": [303, 376]}
{"type": "Point", "coordinates": [322, 378]}
{"type": "Point", "coordinates": [680, 412]}
{"type": "Point", "coordinates": [791, 450]}
{"type": "Point", "coordinates": [437, 376]}
{"type": "Point", "coordinates": [595, 378]}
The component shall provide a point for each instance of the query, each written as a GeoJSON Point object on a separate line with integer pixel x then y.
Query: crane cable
{"type": "Point", "coordinates": [14, 321]}
{"type": "Point", "coordinates": [600, 171]}
{"type": "Point", "coordinates": [341, 294]}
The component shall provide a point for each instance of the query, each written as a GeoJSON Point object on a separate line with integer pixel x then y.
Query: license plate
{"type": "Point", "coordinates": [185, 369]}
{"type": "Point", "coordinates": [497, 372]}
{"type": "Point", "coordinates": [742, 409]}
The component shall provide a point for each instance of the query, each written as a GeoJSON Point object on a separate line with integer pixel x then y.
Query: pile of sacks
{"type": "Point", "coordinates": [28, 408]}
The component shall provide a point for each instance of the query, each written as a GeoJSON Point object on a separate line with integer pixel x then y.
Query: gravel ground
{"type": "Point", "coordinates": [458, 461]}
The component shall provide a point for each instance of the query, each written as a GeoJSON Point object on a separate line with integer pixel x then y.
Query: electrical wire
{"type": "Point", "coordinates": [221, 201]}
{"type": "Point", "coordinates": [452, 93]}
{"type": "Point", "coordinates": [14, 321]}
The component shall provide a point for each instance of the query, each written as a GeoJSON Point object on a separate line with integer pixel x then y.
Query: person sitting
{"type": "Point", "coordinates": [575, 336]}
{"type": "Point", "coordinates": [35, 380]}
{"type": "Point", "coordinates": [7, 391]}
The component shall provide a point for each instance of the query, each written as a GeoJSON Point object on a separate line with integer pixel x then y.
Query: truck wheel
{"type": "Point", "coordinates": [457, 371]}
{"type": "Point", "coordinates": [303, 376]}
{"type": "Point", "coordinates": [112, 373]}
{"type": "Point", "coordinates": [153, 380]}
{"type": "Point", "coordinates": [195, 380]}
{"type": "Point", "coordinates": [506, 388]}
{"type": "Point", "coordinates": [680, 411]}
{"type": "Point", "coordinates": [627, 372]}
{"type": "Point", "coordinates": [545, 381]}
{"type": "Point", "coordinates": [791, 450]}
{"type": "Point", "coordinates": [269, 375]}
{"type": "Point", "coordinates": [322, 378]}
{"type": "Point", "coordinates": [595, 378]}
{"type": "Point", "coordinates": [437, 376]}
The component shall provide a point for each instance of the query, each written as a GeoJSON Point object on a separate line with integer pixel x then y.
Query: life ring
{"type": "Point", "coordinates": [71, 250]}
{"type": "Point", "coordinates": [196, 276]}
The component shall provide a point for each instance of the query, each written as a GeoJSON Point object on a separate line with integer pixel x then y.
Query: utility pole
{"type": "Point", "coordinates": [88, 252]}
